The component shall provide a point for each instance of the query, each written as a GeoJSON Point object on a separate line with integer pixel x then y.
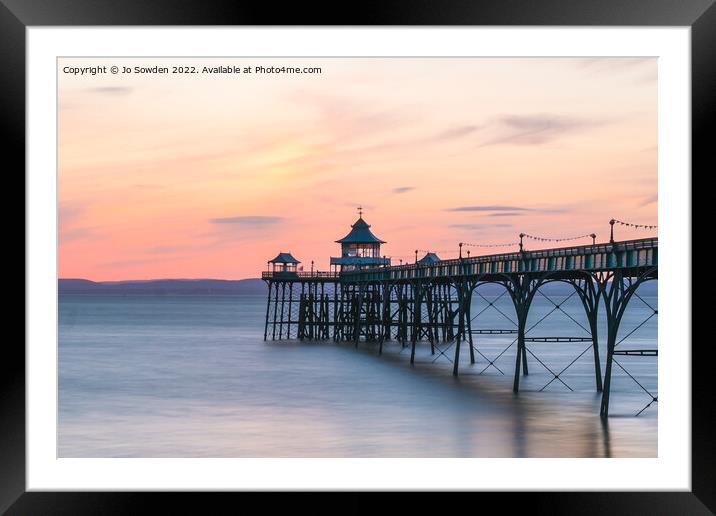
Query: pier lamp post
{"type": "Point", "coordinates": [594, 239]}
{"type": "Point", "coordinates": [468, 254]}
{"type": "Point", "coordinates": [460, 244]}
{"type": "Point", "coordinates": [311, 267]}
{"type": "Point", "coordinates": [521, 237]}
{"type": "Point", "coordinates": [611, 231]}
{"type": "Point", "coordinates": [416, 257]}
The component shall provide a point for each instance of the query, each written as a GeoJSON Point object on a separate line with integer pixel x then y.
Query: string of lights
{"type": "Point", "coordinates": [401, 257]}
{"type": "Point", "coordinates": [531, 237]}
{"type": "Point", "coordinates": [433, 251]}
{"type": "Point", "coordinates": [544, 239]}
{"type": "Point", "coordinates": [637, 226]}
{"type": "Point", "coordinates": [489, 245]}
{"type": "Point", "coordinates": [409, 257]}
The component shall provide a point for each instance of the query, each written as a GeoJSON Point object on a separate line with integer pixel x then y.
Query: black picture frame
{"type": "Point", "coordinates": [17, 15]}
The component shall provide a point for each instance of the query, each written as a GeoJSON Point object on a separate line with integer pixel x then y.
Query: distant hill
{"type": "Point", "coordinates": [255, 286]}
{"type": "Point", "coordinates": [72, 286]}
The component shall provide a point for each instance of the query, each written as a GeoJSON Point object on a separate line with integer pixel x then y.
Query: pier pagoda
{"type": "Point", "coordinates": [428, 259]}
{"type": "Point", "coordinates": [284, 265]}
{"type": "Point", "coordinates": [360, 248]}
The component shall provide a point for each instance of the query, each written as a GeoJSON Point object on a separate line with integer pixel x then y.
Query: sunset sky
{"type": "Point", "coordinates": [209, 176]}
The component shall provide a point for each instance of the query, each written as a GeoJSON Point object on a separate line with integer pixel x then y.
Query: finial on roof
{"type": "Point", "coordinates": [360, 212]}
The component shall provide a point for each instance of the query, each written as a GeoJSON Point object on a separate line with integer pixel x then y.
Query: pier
{"type": "Point", "coordinates": [367, 299]}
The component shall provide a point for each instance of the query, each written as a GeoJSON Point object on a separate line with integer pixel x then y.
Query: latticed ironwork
{"type": "Point", "coordinates": [432, 302]}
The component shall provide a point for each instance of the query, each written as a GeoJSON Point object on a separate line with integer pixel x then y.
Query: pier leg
{"type": "Point", "coordinates": [612, 288]}
{"type": "Point", "coordinates": [604, 408]}
{"type": "Point", "coordinates": [311, 312]}
{"type": "Point", "coordinates": [438, 313]}
{"type": "Point", "coordinates": [431, 319]}
{"type": "Point", "coordinates": [522, 290]}
{"type": "Point", "coordinates": [469, 326]}
{"type": "Point", "coordinates": [404, 323]}
{"type": "Point", "coordinates": [356, 320]}
{"type": "Point", "coordinates": [268, 307]}
{"type": "Point", "coordinates": [520, 354]}
{"type": "Point", "coordinates": [399, 328]}
{"type": "Point", "coordinates": [385, 317]}
{"type": "Point", "coordinates": [595, 349]}
{"type": "Point", "coordinates": [275, 313]}
{"type": "Point", "coordinates": [290, 309]}
{"type": "Point", "coordinates": [325, 327]}
{"type": "Point", "coordinates": [301, 330]}
{"type": "Point", "coordinates": [335, 312]}
{"type": "Point", "coordinates": [590, 300]}
{"type": "Point", "coordinates": [460, 328]}
{"type": "Point", "coordinates": [456, 364]}
{"type": "Point", "coordinates": [616, 296]}
{"type": "Point", "coordinates": [283, 304]}
{"type": "Point", "coordinates": [449, 320]}
{"type": "Point", "coordinates": [589, 295]}
{"type": "Point", "coordinates": [416, 318]}
{"type": "Point", "coordinates": [326, 317]}
{"type": "Point", "coordinates": [451, 314]}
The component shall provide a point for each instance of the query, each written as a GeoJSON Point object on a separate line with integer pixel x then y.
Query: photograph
{"type": "Point", "coordinates": [357, 257]}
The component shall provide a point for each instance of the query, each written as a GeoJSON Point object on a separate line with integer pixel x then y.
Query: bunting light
{"type": "Point", "coordinates": [544, 239]}
{"type": "Point", "coordinates": [637, 226]}
{"type": "Point", "coordinates": [490, 245]}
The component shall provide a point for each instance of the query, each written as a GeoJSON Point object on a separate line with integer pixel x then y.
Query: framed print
{"type": "Point", "coordinates": [412, 250]}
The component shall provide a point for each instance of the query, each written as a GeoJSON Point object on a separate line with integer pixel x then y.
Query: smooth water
{"type": "Point", "coordinates": [146, 376]}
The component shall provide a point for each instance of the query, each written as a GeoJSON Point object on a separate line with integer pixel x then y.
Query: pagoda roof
{"type": "Point", "coordinates": [360, 234]}
{"type": "Point", "coordinates": [429, 258]}
{"type": "Point", "coordinates": [284, 258]}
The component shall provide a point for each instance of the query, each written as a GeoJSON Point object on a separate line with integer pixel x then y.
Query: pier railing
{"type": "Point", "coordinates": [304, 275]}
{"type": "Point", "coordinates": [607, 256]}
{"type": "Point", "coordinates": [598, 257]}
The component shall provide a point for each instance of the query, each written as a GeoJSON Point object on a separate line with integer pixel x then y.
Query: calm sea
{"type": "Point", "coordinates": [185, 376]}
